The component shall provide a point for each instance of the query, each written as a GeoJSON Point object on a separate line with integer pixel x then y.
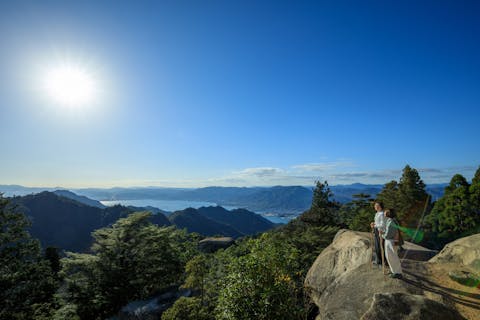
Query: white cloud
{"type": "Point", "coordinates": [260, 172]}
{"type": "Point", "coordinates": [321, 167]}
{"type": "Point", "coordinates": [306, 174]}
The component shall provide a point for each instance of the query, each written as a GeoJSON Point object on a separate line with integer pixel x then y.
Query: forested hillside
{"type": "Point", "coordinates": [259, 277]}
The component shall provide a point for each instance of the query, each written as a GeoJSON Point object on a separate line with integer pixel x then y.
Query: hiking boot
{"type": "Point", "coordinates": [396, 276]}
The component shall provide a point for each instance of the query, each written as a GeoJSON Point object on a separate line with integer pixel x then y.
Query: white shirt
{"type": "Point", "coordinates": [380, 221]}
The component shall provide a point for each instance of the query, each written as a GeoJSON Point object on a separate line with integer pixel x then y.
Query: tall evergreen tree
{"type": "Point", "coordinates": [358, 213]}
{"type": "Point", "coordinates": [456, 213]}
{"type": "Point", "coordinates": [26, 279]}
{"type": "Point", "coordinates": [390, 195]}
{"type": "Point", "coordinates": [414, 199]}
{"type": "Point", "coordinates": [475, 193]}
{"type": "Point", "coordinates": [132, 260]}
{"type": "Point", "coordinates": [408, 197]}
{"type": "Point", "coordinates": [323, 210]}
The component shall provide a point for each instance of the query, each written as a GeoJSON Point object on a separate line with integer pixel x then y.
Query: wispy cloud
{"type": "Point", "coordinates": [260, 172]}
{"type": "Point", "coordinates": [322, 167]}
{"type": "Point", "coordinates": [339, 172]}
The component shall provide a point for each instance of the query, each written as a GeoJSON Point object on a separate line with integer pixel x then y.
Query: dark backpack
{"type": "Point", "coordinates": [398, 238]}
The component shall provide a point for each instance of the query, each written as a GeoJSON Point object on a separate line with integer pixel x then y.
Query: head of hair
{"type": "Point", "coordinates": [380, 203]}
{"type": "Point", "coordinates": [390, 213]}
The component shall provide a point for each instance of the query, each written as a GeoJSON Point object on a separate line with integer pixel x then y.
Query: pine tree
{"type": "Point", "coordinates": [456, 214]}
{"type": "Point", "coordinates": [26, 279]}
{"type": "Point", "coordinates": [408, 197]}
{"type": "Point", "coordinates": [323, 210]}
{"type": "Point", "coordinates": [414, 200]}
{"type": "Point", "coordinates": [390, 195]}
{"type": "Point", "coordinates": [131, 260]}
{"type": "Point", "coordinates": [475, 193]}
{"type": "Point", "coordinates": [364, 212]}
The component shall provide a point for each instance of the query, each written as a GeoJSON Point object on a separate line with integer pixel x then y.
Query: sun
{"type": "Point", "coordinates": [70, 86]}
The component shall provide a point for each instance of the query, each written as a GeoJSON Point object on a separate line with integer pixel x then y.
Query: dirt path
{"type": "Point", "coordinates": [433, 279]}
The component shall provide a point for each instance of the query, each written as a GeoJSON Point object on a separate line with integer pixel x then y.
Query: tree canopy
{"type": "Point", "coordinates": [457, 213]}
{"type": "Point", "coordinates": [27, 283]}
{"type": "Point", "coordinates": [408, 197]}
{"type": "Point", "coordinates": [132, 259]}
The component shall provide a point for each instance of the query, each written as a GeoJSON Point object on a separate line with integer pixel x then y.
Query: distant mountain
{"type": "Point", "coordinates": [193, 221]}
{"type": "Point", "coordinates": [279, 200]}
{"type": "Point", "coordinates": [344, 193]}
{"type": "Point", "coordinates": [17, 190]}
{"type": "Point", "coordinates": [151, 209]}
{"type": "Point", "coordinates": [59, 221]}
{"type": "Point", "coordinates": [211, 221]}
{"type": "Point", "coordinates": [436, 190]}
{"type": "Point", "coordinates": [244, 221]}
{"type": "Point", "coordinates": [66, 223]}
{"type": "Point", "coordinates": [81, 199]}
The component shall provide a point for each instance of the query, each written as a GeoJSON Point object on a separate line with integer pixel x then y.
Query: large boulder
{"type": "Point", "coordinates": [393, 306]}
{"type": "Point", "coordinates": [342, 282]}
{"type": "Point", "coordinates": [210, 245]}
{"type": "Point", "coordinates": [463, 251]}
{"type": "Point", "coordinates": [151, 309]}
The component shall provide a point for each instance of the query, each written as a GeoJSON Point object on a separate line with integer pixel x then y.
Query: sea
{"type": "Point", "coordinates": [174, 205]}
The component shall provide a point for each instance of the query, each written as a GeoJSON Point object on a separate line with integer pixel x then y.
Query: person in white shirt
{"type": "Point", "coordinates": [391, 232]}
{"type": "Point", "coordinates": [378, 228]}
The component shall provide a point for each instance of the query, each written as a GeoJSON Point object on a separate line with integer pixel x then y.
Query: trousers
{"type": "Point", "coordinates": [392, 257]}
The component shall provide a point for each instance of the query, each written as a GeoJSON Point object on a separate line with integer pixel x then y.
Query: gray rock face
{"type": "Point", "coordinates": [464, 251]}
{"type": "Point", "coordinates": [210, 245]}
{"type": "Point", "coordinates": [342, 281]}
{"type": "Point", "coordinates": [400, 306]}
{"type": "Point", "coordinates": [151, 309]}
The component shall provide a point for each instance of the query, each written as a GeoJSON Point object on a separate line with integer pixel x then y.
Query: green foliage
{"type": "Point", "coordinates": [308, 240]}
{"type": "Point", "coordinates": [262, 284]}
{"type": "Point", "coordinates": [66, 312]}
{"type": "Point", "coordinates": [27, 284]}
{"type": "Point", "coordinates": [358, 213]}
{"type": "Point", "coordinates": [408, 197]}
{"type": "Point", "coordinates": [131, 260]}
{"type": "Point", "coordinates": [187, 309]}
{"type": "Point", "coordinates": [456, 214]}
{"type": "Point", "coordinates": [475, 193]}
{"type": "Point", "coordinates": [323, 210]}
{"type": "Point", "coordinates": [51, 254]}
{"type": "Point", "coordinates": [196, 270]}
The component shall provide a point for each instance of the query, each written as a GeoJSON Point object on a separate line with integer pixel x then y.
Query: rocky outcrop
{"type": "Point", "coordinates": [210, 245]}
{"type": "Point", "coordinates": [344, 284]}
{"type": "Point", "coordinates": [463, 251]}
{"type": "Point", "coordinates": [152, 308]}
{"type": "Point", "coordinates": [389, 306]}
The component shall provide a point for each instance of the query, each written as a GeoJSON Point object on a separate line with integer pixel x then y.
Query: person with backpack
{"type": "Point", "coordinates": [392, 238]}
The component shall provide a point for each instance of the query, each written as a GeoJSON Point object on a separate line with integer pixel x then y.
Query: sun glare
{"type": "Point", "coordinates": [70, 86]}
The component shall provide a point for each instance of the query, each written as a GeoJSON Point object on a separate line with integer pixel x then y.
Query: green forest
{"type": "Point", "coordinates": [259, 277]}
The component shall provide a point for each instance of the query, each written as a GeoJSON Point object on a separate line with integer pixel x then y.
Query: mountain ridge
{"type": "Point", "coordinates": [291, 200]}
{"type": "Point", "coordinates": [68, 223]}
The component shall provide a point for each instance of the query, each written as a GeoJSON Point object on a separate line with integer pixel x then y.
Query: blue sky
{"type": "Point", "coordinates": [196, 93]}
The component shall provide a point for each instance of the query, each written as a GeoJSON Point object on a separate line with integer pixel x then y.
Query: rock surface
{"type": "Point", "coordinates": [464, 251]}
{"type": "Point", "coordinates": [210, 245]}
{"type": "Point", "coordinates": [344, 285]}
{"type": "Point", "coordinates": [392, 306]}
{"type": "Point", "coordinates": [152, 308]}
